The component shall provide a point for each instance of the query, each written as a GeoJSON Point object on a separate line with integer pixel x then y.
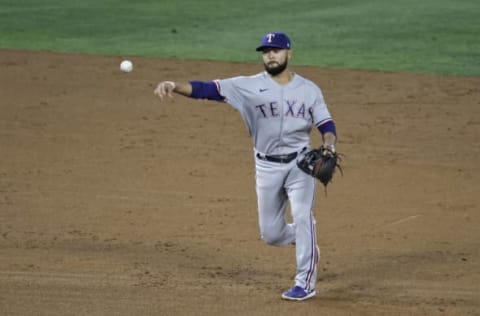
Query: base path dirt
{"type": "Point", "coordinates": [114, 203]}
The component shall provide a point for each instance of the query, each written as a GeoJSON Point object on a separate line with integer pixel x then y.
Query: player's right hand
{"type": "Point", "coordinates": [164, 88]}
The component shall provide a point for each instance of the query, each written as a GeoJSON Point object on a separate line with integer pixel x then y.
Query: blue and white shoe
{"type": "Point", "coordinates": [296, 293]}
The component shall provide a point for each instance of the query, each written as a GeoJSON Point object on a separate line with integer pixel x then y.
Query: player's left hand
{"type": "Point", "coordinates": [320, 163]}
{"type": "Point", "coordinates": [328, 149]}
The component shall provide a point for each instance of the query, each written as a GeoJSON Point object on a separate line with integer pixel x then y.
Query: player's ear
{"type": "Point", "coordinates": [289, 54]}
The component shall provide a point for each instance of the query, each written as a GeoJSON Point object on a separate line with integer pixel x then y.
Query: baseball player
{"type": "Point", "coordinates": [279, 108]}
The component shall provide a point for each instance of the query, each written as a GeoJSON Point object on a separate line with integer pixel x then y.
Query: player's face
{"type": "Point", "coordinates": [275, 60]}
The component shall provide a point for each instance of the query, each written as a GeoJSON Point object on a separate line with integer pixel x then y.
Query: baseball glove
{"type": "Point", "coordinates": [320, 163]}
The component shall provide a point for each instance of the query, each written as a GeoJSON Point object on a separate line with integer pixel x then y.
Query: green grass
{"type": "Point", "coordinates": [426, 36]}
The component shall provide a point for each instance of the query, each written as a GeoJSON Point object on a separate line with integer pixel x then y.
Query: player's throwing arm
{"type": "Point", "coordinates": [166, 88]}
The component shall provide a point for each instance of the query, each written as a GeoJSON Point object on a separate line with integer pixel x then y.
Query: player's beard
{"type": "Point", "coordinates": [276, 70]}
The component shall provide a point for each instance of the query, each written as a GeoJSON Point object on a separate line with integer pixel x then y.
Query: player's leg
{"type": "Point", "coordinates": [301, 192]}
{"type": "Point", "coordinates": [272, 202]}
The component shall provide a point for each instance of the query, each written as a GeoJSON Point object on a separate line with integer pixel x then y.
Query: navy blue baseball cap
{"type": "Point", "coordinates": [275, 40]}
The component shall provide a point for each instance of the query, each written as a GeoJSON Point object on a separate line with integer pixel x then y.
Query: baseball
{"type": "Point", "coordinates": [126, 66]}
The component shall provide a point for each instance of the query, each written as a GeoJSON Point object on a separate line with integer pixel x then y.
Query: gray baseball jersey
{"type": "Point", "coordinates": [278, 117]}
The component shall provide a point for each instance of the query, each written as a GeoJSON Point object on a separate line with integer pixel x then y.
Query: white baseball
{"type": "Point", "coordinates": [126, 66]}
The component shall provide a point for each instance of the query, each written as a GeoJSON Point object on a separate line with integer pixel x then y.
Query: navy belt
{"type": "Point", "coordinates": [278, 158]}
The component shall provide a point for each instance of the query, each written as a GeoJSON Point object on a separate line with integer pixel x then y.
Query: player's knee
{"type": "Point", "coordinates": [271, 237]}
{"type": "Point", "coordinates": [269, 240]}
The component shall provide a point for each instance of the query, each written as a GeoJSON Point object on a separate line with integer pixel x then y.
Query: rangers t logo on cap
{"type": "Point", "coordinates": [275, 40]}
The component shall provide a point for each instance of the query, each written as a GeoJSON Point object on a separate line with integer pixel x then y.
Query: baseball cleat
{"type": "Point", "coordinates": [296, 293]}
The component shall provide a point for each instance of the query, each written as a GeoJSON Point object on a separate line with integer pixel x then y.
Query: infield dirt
{"type": "Point", "coordinates": [114, 203]}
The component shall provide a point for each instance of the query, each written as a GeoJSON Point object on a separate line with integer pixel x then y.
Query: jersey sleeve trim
{"type": "Point", "coordinates": [318, 124]}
